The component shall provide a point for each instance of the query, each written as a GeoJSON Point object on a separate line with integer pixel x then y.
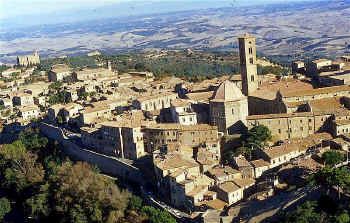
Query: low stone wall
{"type": "Point", "coordinates": [108, 165]}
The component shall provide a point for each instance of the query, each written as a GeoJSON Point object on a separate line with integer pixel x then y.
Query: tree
{"type": "Point", "coordinates": [340, 178]}
{"type": "Point", "coordinates": [328, 177]}
{"type": "Point", "coordinates": [55, 86]}
{"type": "Point", "coordinates": [82, 195]}
{"type": "Point", "coordinates": [157, 216]}
{"type": "Point", "coordinates": [135, 203]}
{"type": "Point", "coordinates": [31, 140]}
{"type": "Point", "coordinates": [38, 206]}
{"type": "Point", "coordinates": [305, 213]}
{"type": "Point", "coordinates": [254, 139]}
{"type": "Point", "coordinates": [342, 218]}
{"type": "Point", "coordinates": [332, 157]}
{"type": "Point", "coordinates": [20, 167]}
{"type": "Point", "coordinates": [5, 207]}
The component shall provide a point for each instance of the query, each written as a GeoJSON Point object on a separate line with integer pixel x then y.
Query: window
{"type": "Point", "coordinates": [310, 120]}
{"type": "Point", "coordinates": [250, 50]}
{"type": "Point", "coordinates": [233, 111]}
{"type": "Point", "coordinates": [252, 78]}
{"type": "Point", "coordinates": [279, 131]}
{"type": "Point", "coordinates": [301, 121]}
{"type": "Point", "coordinates": [251, 61]}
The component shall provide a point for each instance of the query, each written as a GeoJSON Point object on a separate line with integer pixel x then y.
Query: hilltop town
{"type": "Point", "coordinates": [197, 148]}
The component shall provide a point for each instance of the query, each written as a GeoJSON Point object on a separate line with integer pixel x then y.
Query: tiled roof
{"type": "Point", "coordinates": [310, 92]}
{"type": "Point", "coordinates": [259, 163]}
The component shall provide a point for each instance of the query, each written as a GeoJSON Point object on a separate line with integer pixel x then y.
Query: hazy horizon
{"type": "Point", "coordinates": [36, 12]}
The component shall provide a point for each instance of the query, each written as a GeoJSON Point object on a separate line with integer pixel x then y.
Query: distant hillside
{"type": "Point", "coordinates": [295, 29]}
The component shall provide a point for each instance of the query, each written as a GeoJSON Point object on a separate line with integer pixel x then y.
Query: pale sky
{"type": "Point", "coordinates": [12, 8]}
{"type": "Point", "coordinates": [9, 8]}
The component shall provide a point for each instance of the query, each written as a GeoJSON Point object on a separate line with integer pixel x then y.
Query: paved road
{"type": "Point", "coordinates": [255, 211]}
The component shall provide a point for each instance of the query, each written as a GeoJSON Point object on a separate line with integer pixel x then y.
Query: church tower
{"type": "Point", "coordinates": [247, 53]}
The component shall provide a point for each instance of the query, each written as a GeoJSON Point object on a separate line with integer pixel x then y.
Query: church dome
{"type": "Point", "coordinates": [228, 91]}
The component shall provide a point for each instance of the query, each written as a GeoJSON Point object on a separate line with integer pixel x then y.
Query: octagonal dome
{"type": "Point", "coordinates": [228, 91]}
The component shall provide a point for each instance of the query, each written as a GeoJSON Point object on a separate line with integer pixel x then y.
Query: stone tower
{"type": "Point", "coordinates": [247, 53]}
{"type": "Point", "coordinates": [229, 109]}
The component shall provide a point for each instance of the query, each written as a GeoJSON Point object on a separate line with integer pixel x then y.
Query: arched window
{"type": "Point", "coordinates": [252, 78]}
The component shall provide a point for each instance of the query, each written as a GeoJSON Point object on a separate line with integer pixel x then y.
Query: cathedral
{"type": "Point", "coordinates": [28, 60]}
{"type": "Point", "coordinates": [229, 106]}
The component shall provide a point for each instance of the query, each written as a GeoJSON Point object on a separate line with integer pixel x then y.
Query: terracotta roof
{"type": "Point", "coordinates": [200, 96]}
{"type": "Point", "coordinates": [168, 126]}
{"type": "Point", "coordinates": [244, 182]}
{"type": "Point", "coordinates": [156, 96]}
{"type": "Point", "coordinates": [29, 108]}
{"type": "Point", "coordinates": [60, 68]}
{"type": "Point", "coordinates": [229, 187]}
{"type": "Point", "coordinates": [219, 172]}
{"type": "Point", "coordinates": [95, 109]}
{"type": "Point", "coordinates": [180, 103]}
{"type": "Point", "coordinates": [341, 122]}
{"type": "Point", "coordinates": [94, 70]}
{"type": "Point", "coordinates": [173, 162]}
{"type": "Point", "coordinates": [310, 92]}
{"type": "Point", "coordinates": [326, 104]}
{"type": "Point", "coordinates": [286, 115]}
{"type": "Point", "coordinates": [278, 151]}
{"type": "Point", "coordinates": [259, 163]}
{"type": "Point", "coordinates": [320, 60]}
{"type": "Point", "coordinates": [197, 190]}
{"type": "Point", "coordinates": [228, 91]}
{"type": "Point", "coordinates": [340, 141]}
{"type": "Point", "coordinates": [122, 123]}
{"type": "Point", "coordinates": [294, 104]}
{"type": "Point", "coordinates": [246, 35]}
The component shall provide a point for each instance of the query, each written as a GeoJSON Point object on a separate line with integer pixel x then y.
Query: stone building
{"type": "Point", "coordinates": [279, 155]}
{"type": "Point", "coordinates": [59, 72]}
{"type": "Point", "coordinates": [94, 114]}
{"type": "Point", "coordinates": [155, 102]}
{"type": "Point", "coordinates": [260, 166]}
{"type": "Point", "coordinates": [224, 174]}
{"type": "Point", "coordinates": [247, 53]}
{"type": "Point", "coordinates": [28, 60]}
{"type": "Point", "coordinates": [23, 99]}
{"type": "Point", "coordinates": [298, 67]}
{"type": "Point", "coordinates": [289, 102]}
{"type": "Point", "coordinates": [118, 138]}
{"type": "Point", "coordinates": [29, 112]}
{"type": "Point", "coordinates": [10, 71]}
{"type": "Point", "coordinates": [182, 112]}
{"type": "Point", "coordinates": [6, 102]}
{"type": "Point", "coordinates": [89, 74]}
{"type": "Point", "coordinates": [293, 125]}
{"type": "Point", "coordinates": [160, 135]}
{"type": "Point", "coordinates": [229, 109]}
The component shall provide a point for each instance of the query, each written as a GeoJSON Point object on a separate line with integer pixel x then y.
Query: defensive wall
{"type": "Point", "coordinates": [108, 165]}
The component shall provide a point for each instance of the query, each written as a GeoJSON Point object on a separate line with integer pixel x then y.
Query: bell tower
{"type": "Point", "coordinates": [249, 73]}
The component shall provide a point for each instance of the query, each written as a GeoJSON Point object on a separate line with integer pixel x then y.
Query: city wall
{"type": "Point", "coordinates": [110, 166]}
